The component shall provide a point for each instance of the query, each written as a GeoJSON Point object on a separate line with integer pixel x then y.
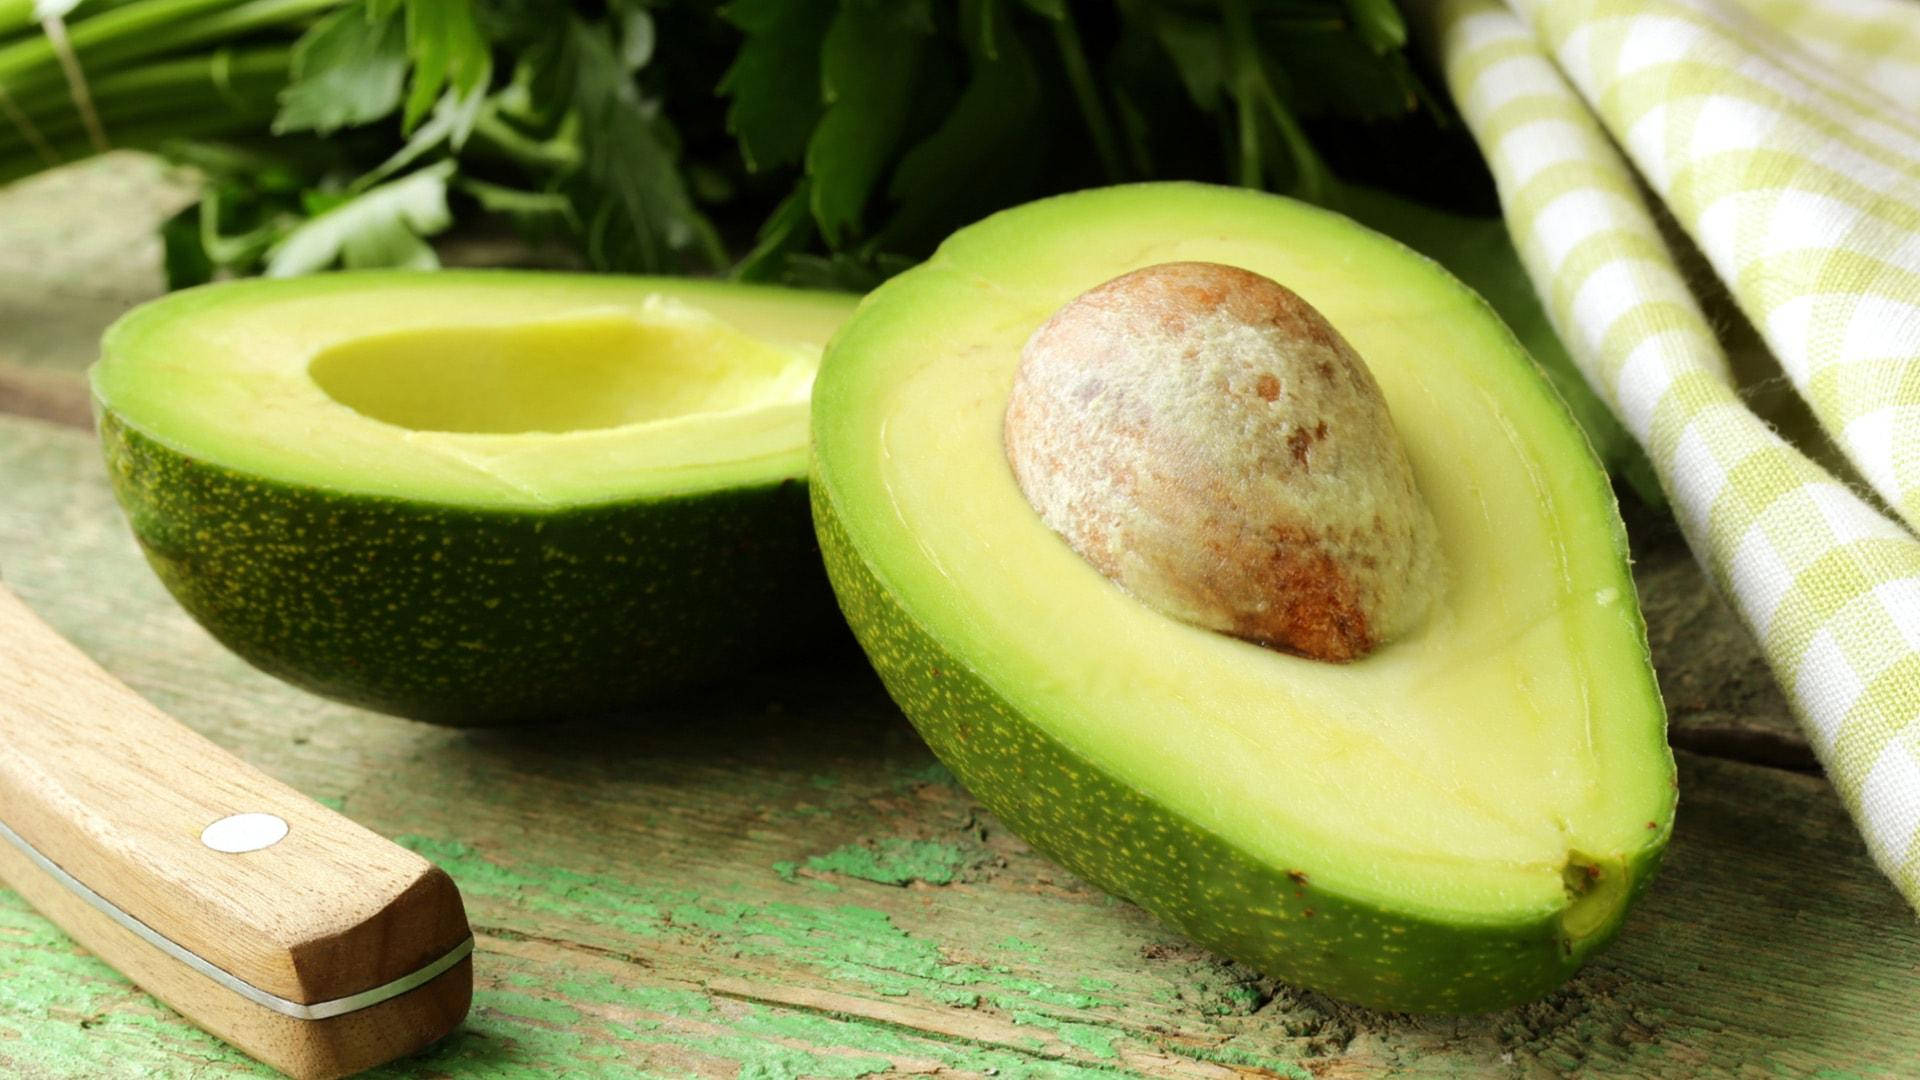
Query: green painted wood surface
{"type": "Point", "coordinates": [778, 880]}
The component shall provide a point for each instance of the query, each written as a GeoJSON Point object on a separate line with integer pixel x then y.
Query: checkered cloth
{"type": "Point", "coordinates": [1784, 136]}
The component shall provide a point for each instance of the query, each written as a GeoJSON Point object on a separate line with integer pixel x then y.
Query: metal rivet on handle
{"type": "Point", "coordinates": [241, 833]}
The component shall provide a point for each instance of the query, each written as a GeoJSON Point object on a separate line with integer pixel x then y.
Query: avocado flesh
{"type": "Point", "coordinates": [476, 497]}
{"type": "Point", "coordinates": [505, 390]}
{"type": "Point", "coordinates": [1452, 823]}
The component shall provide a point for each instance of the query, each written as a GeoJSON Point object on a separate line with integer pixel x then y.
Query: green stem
{"type": "Point", "coordinates": [249, 85]}
{"type": "Point", "coordinates": [560, 154]}
{"type": "Point", "coordinates": [135, 21]}
{"type": "Point", "coordinates": [23, 130]}
{"type": "Point", "coordinates": [1250, 171]}
{"type": "Point", "coordinates": [17, 16]}
{"type": "Point", "coordinates": [160, 79]}
{"type": "Point", "coordinates": [150, 28]}
{"type": "Point", "coordinates": [1311, 178]}
{"type": "Point", "coordinates": [233, 22]}
{"type": "Point", "coordinates": [146, 136]}
{"type": "Point", "coordinates": [1249, 83]}
{"type": "Point", "coordinates": [1254, 96]}
{"type": "Point", "coordinates": [1073, 58]}
{"type": "Point", "coordinates": [140, 116]}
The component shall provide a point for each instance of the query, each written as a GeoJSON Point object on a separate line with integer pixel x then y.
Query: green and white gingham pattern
{"type": "Point", "coordinates": [1800, 185]}
{"type": "Point", "coordinates": [1829, 585]}
{"type": "Point", "coordinates": [1874, 42]}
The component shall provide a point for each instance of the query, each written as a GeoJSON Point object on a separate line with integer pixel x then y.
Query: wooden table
{"type": "Point", "coordinates": [778, 880]}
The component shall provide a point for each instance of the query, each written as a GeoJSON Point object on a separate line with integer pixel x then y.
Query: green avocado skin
{"type": "Point", "coordinates": [468, 616]}
{"type": "Point", "coordinates": [1097, 827]}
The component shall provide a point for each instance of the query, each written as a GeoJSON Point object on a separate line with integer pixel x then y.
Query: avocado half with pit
{"type": "Point", "coordinates": [476, 497]}
{"type": "Point", "coordinates": [1454, 822]}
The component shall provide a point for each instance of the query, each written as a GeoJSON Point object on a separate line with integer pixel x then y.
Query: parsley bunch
{"type": "Point", "coordinates": [812, 141]}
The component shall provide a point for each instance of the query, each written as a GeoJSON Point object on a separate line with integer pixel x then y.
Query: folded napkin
{"type": "Point", "coordinates": [1779, 134]}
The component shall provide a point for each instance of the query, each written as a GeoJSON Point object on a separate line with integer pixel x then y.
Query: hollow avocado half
{"type": "Point", "coordinates": [1454, 823]}
{"type": "Point", "coordinates": [476, 497]}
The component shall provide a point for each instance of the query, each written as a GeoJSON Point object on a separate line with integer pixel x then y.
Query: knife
{"type": "Point", "coordinates": [272, 922]}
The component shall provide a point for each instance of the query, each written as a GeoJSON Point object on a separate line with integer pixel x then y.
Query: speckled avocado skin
{"type": "Point", "coordinates": [470, 616]}
{"type": "Point", "coordinates": [1276, 918]}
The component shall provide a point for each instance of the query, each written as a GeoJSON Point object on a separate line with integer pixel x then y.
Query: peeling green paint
{"type": "Point", "coordinates": [895, 861]}
{"type": "Point", "coordinates": [530, 1007]}
{"type": "Point", "coordinates": [847, 942]}
{"type": "Point", "coordinates": [759, 1041]}
{"type": "Point", "coordinates": [1232, 1055]}
{"type": "Point", "coordinates": [1046, 993]}
{"type": "Point", "coordinates": [600, 990]}
{"type": "Point", "coordinates": [1238, 999]}
{"type": "Point", "coordinates": [1092, 1038]}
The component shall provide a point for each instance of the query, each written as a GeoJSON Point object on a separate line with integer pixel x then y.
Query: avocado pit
{"type": "Point", "coordinates": [1205, 438]}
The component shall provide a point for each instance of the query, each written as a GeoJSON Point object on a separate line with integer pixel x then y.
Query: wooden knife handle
{"type": "Point", "coordinates": [265, 918]}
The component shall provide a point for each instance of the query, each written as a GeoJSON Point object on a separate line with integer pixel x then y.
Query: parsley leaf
{"type": "Point", "coordinates": [347, 71]}
{"type": "Point", "coordinates": [637, 212]}
{"type": "Point", "coordinates": [868, 73]}
{"type": "Point", "coordinates": [774, 81]}
{"type": "Point", "coordinates": [384, 227]}
{"type": "Point", "coordinates": [447, 50]}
